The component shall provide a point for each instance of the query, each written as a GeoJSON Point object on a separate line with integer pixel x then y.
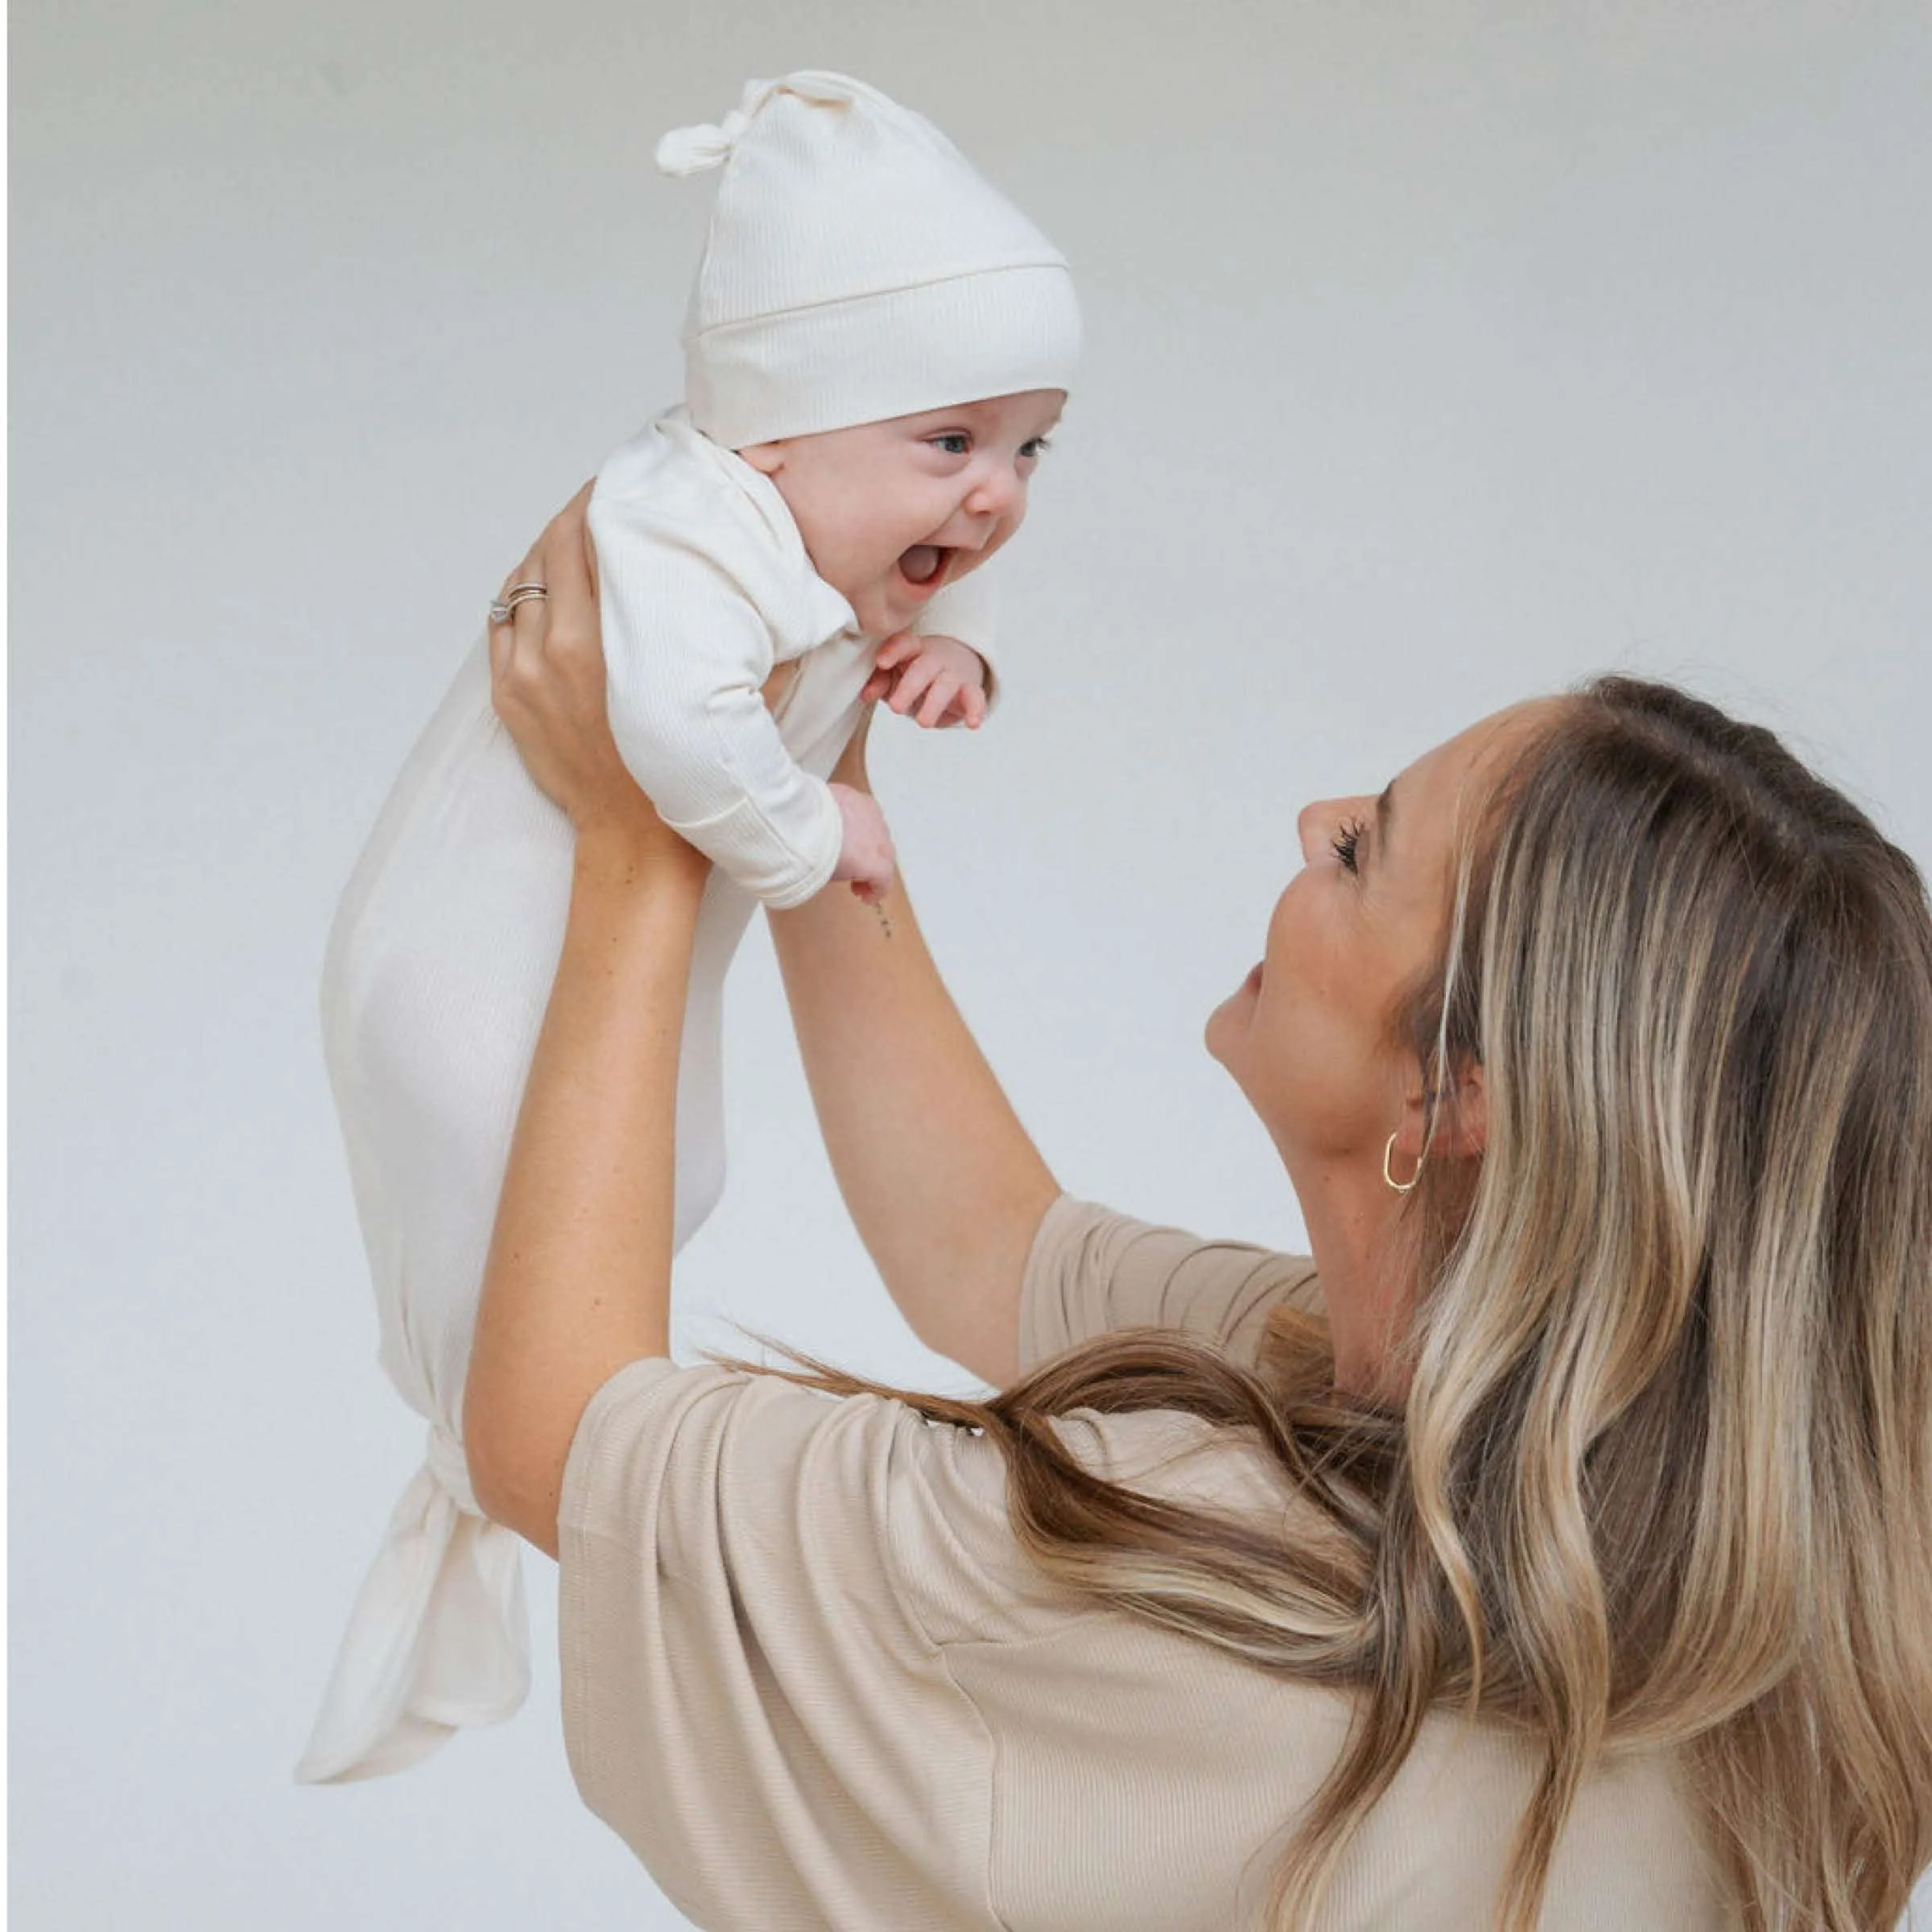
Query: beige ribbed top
{"type": "Point", "coordinates": [811, 1680]}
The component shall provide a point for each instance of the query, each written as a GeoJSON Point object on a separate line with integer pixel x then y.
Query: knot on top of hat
{"type": "Point", "coordinates": [691, 150]}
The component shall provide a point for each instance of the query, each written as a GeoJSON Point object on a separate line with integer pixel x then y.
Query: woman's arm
{"type": "Point", "coordinates": [944, 1185]}
{"type": "Point", "coordinates": [578, 1281]}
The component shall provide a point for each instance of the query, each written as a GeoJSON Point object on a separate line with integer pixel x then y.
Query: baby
{"type": "Point", "coordinates": [877, 346]}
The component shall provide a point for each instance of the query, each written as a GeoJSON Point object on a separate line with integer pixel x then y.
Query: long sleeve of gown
{"type": "Point", "coordinates": [688, 651]}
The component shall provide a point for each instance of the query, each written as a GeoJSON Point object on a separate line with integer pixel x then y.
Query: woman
{"type": "Point", "coordinates": [1554, 1550]}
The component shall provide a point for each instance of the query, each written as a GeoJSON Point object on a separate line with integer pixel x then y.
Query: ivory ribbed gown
{"type": "Point", "coordinates": [438, 969]}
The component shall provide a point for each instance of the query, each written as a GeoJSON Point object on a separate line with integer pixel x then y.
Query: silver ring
{"type": "Point", "coordinates": [517, 593]}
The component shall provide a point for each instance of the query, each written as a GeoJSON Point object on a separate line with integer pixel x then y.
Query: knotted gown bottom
{"type": "Point", "coordinates": [437, 971]}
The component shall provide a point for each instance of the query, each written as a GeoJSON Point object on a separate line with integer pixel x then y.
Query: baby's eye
{"type": "Point", "coordinates": [1344, 843]}
{"type": "Point", "coordinates": [955, 441]}
{"type": "Point", "coordinates": [1036, 448]}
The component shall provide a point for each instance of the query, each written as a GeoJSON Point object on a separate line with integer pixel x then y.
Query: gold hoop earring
{"type": "Point", "coordinates": [1407, 1186]}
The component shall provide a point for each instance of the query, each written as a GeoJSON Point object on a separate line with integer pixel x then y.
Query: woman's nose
{"type": "Point", "coordinates": [1309, 825]}
{"type": "Point", "coordinates": [1318, 823]}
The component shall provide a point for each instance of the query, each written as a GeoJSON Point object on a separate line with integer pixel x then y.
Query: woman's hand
{"type": "Point", "coordinates": [547, 684]}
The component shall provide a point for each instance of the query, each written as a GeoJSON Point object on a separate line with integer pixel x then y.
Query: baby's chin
{"type": "Point", "coordinates": [879, 614]}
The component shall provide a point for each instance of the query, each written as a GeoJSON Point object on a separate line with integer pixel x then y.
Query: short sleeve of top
{"type": "Point", "coordinates": [759, 1584]}
{"type": "Point", "coordinates": [753, 1699]}
{"type": "Point", "coordinates": [1093, 1270]}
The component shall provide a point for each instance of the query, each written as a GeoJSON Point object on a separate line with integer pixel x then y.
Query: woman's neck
{"type": "Point", "coordinates": [1366, 1262]}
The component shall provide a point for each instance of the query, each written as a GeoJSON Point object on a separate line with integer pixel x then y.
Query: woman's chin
{"type": "Point", "coordinates": [1225, 1024]}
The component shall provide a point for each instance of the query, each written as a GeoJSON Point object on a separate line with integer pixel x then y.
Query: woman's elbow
{"type": "Point", "coordinates": [514, 1479]}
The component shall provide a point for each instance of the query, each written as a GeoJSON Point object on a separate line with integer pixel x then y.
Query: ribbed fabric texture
{"type": "Point", "coordinates": [856, 268]}
{"type": "Point", "coordinates": [438, 967]}
{"type": "Point", "coordinates": [811, 1680]}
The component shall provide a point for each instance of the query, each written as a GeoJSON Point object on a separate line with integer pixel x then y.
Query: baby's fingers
{"type": "Point", "coordinates": [939, 697]}
{"type": "Point", "coordinates": [968, 708]}
{"type": "Point", "coordinates": [912, 685]}
{"type": "Point", "coordinates": [897, 650]}
{"type": "Point", "coordinates": [902, 646]}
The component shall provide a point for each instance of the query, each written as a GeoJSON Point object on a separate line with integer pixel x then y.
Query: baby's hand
{"type": "Point", "coordinates": [945, 679]}
{"type": "Point", "coordinates": [865, 854]}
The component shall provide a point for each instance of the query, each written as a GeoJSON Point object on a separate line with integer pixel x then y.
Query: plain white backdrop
{"type": "Point", "coordinates": [1440, 353]}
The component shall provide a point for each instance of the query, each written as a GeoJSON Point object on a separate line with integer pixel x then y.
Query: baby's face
{"type": "Point", "coordinates": [890, 511]}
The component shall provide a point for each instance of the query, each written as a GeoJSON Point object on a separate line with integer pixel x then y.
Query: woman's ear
{"type": "Point", "coordinates": [768, 459]}
{"type": "Point", "coordinates": [1461, 1124]}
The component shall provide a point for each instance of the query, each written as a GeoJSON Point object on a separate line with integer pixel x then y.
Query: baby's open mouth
{"type": "Point", "coordinates": [925, 564]}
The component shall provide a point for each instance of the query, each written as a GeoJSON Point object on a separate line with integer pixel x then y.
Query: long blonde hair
{"type": "Point", "coordinates": [1663, 1477]}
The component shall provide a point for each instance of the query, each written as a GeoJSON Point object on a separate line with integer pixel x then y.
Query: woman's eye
{"type": "Point", "coordinates": [1345, 842]}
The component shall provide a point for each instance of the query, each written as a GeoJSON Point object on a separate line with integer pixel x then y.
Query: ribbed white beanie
{"type": "Point", "coordinates": [857, 268]}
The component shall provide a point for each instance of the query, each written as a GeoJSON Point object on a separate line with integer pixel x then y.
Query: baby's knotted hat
{"type": "Point", "coordinates": [857, 268]}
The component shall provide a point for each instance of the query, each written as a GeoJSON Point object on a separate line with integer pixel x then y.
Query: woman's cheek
{"type": "Point", "coordinates": [1308, 1030]}
{"type": "Point", "coordinates": [1293, 950]}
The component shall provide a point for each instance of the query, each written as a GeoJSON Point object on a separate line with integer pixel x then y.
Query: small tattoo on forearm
{"type": "Point", "coordinates": [884, 923]}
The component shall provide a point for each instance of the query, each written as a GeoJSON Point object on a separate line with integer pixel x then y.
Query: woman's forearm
{"type": "Point", "coordinates": [578, 1281]}
{"type": "Point", "coordinates": [944, 1185]}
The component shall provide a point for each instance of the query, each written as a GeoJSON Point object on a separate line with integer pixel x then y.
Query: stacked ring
{"type": "Point", "coordinates": [501, 611]}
